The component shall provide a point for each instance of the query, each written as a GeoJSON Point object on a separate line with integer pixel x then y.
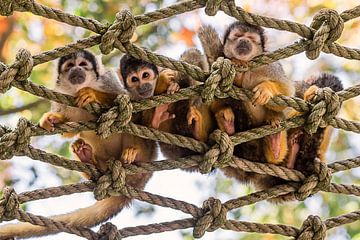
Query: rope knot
{"type": "Point", "coordinates": [329, 26]}
{"type": "Point", "coordinates": [220, 153]}
{"type": "Point", "coordinates": [16, 141]}
{"type": "Point", "coordinates": [20, 70]}
{"type": "Point", "coordinates": [320, 180]}
{"type": "Point", "coordinates": [122, 29]}
{"type": "Point", "coordinates": [108, 231]}
{"type": "Point", "coordinates": [9, 204]}
{"type": "Point", "coordinates": [221, 79]}
{"type": "Point", "coordinates": [112, 181]}
{"type": "Point", "coordinates": [312, 228]}
{"type": "Point", "coordinates": [120, 114]}
{"type": "Point", "coordinates": [327, 104]}
{"type": "Point", "coordinates": [212, 6]}
{"type": "Point", "coordinates": [214, 217]}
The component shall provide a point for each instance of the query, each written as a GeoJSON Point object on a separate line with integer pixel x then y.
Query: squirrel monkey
{"type": "Point", "coordinates": [191, 118]}
{"type": "Point", "coordinates": [303, 147]}
{"type": "Point", "coordinates": [81, 76]}
{"type": "Point", "coordinates": [242, 42]}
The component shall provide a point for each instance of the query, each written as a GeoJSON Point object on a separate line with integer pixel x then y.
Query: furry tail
{"type": "Point", "coordinates": [211, 43]}
{"type": "Point", "coordinates": [83, 217]}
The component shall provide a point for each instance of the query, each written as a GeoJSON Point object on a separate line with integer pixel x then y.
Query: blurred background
{"type": "Point", "coordinates": [171, 37]}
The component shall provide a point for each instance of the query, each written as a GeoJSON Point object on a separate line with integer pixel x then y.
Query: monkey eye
{"type": "Point", "coordinates": [134, 79]}
{"type": "Point", "coordinates": [70, 65]}
{"type": "Point", "coordinates": [145, 75]}
{"type": "Point", "coordinates": [83, 64]}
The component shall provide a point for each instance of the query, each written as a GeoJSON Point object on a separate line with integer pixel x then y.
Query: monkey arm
{"type": "Point", "coordinates": [88, 95]}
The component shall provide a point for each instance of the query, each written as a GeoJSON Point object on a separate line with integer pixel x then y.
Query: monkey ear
{"type": "Point", "coordinates": [266, 42]}
{"type": "Point", "coordinates": [100, 66]}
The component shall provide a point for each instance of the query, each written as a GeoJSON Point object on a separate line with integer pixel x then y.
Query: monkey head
{"type": "Point", "coordinates": [77, 70]}
{"type": "Point", "coordinates": [139, 76]}
{"type": "Point", "coordinates": [243, 41]}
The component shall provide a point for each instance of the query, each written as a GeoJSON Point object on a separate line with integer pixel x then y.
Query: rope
{"type": "Point", "coordinates": [326, 27]}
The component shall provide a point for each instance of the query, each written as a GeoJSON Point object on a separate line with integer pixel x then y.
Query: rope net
{"type": "Point", "coordinates": [325, 29]}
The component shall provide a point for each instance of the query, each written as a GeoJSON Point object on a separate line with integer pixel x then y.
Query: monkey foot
{"type": "Point", "coordinates": [225, 119]}
{"type": "Point", "coordinates": [48, 120]}
{"type": "Point", "coordinates": [262, 94]}
{"type": "Point", "coordinates": [193, 115]}
{"type": "Point", "coordinates": [129, 155]}
{"type": "Point", "coordinates": [294, 147]}
{"type": "Point", "coordinates": [161, 114]}
{"type": "Point", "coordinates": [85, 96]}
{"type": "Point", "coordinates": [310, 93]}
{"type": "Point", "coordinates": [83, 151]}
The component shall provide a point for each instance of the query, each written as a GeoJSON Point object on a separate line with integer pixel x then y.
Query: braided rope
{"type": "Point", "coordinates": [325, 29]}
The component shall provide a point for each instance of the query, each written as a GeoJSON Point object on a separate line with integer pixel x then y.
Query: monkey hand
{"type": "Point", "coordinates": [161, 114]}
{"type": "Point", "coordinates": [310, 93]}
{"type": "Point", "coordinates": [262, 94]}
{"type": "Point", "coordinates": [88, 95]}
{"type": "Point", "coordinates": [172, 88]}
{"type": "Point", "coordinates": [83, 151]}
{"type": "Point", "coordinates": [129, 154]}
{"type": "Point", "coordinates": [48, 120]}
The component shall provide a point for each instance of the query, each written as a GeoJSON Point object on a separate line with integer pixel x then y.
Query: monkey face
{"type": "Point", "coordinates": [141, 83]}
{"type": "Point", "coordinates": [242, 45]}
{"type": "Point", "coordinates": [76, 71]}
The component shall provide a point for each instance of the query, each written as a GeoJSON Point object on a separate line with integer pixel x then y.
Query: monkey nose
{"type": "Point", "coordinates": [244, 46]}
{"type": "Point", "coordinates": [77, 76]}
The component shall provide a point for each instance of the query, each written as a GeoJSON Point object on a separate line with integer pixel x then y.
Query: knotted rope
{"type": "Point", "coordinates": [221, 79]}
{"type": "Point", "coordinates": [112, 181]}
{"type": "Point", "coordinates": [313, 228]}
{"type": "Point", "coordinates": [16, 141]}
{"type": "Point", "coordinates": [120, 114]}
{"type": "Point", "coordinates": [220, 153]}
{"type": "Point", "coordinates": [327, 105]}
{"type": "Point", "coordinates": [122, 29]}
{"type": "Point", "coordinates": [9, 204]}
{"type": "Point", "coordinates": [20, 70]}
{"type": "Point", "coordinates": [214, 217]}
{"type": "Point", "coordinates": [329, 26]}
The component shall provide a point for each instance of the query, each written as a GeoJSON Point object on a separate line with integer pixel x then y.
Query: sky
{"type": "Point", "coordinates": [175, 184]}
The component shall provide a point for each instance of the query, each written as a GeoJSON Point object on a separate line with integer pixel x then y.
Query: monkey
{"type": "Point", "coordinates": [80, 75]}
{"type": "Point", "coordinates": [303, 147]}
{"type": "Point", "coordinates": [241, 43]}
{"type": "Point", "coordinates": [191, 118]}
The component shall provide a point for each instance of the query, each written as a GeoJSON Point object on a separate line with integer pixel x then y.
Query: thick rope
{"type": "Point", "coordinates": [326, 28]}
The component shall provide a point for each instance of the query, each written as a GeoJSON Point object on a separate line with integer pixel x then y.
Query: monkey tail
{"type": "Point", "coordinates": [83, 217]}
{"type": "Point", "coordinates": [211, 43]}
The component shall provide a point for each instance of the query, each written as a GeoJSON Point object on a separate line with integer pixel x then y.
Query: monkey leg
{"type": "Point", "coordinates": [49, 119]}
{"type": "Point", "coordinates": [294, 147]}
{"type": "Point", "coordinates": [194, 116]}
{"type": "Point", "coordinates": [225, 120]}
{"type": "Point", "coordinates": [161, 114]}
{"type": "Point", "coordinates": [129, 155]}
{"type": "Point", "coordinates": [88, 95]}
{"type": "Point", "coordinates": [275, 147]}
